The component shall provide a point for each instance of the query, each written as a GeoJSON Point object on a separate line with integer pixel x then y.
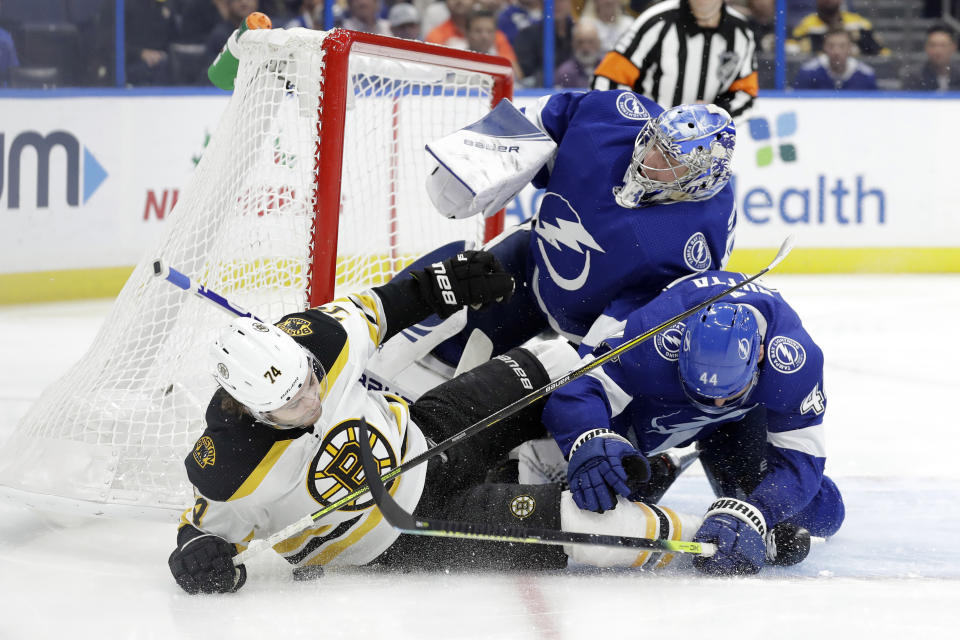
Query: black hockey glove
{"type": "Point", "coordinates": [473, 278]}
{"type": "Point", "coordinates": [204, 564]}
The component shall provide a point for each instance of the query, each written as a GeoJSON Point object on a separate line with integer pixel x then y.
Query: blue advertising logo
{"type": "Point", "coordinates": [89, 176]}
{"type": "Point", "coordinates": [786, 126]}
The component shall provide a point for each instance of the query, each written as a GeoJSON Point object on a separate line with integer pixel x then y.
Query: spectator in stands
{"type": "Point", "coordinates": [481, 34]}
{"type": "Point", "coordinates": [198, 18]}
{"type": "Point", "coordinates": [8, 57]}
{"type": "Point", "coordinates": [575, 72]}
{"type": "Point", "coordinates": [519, 15]}
{"type": "Point", "coordinates": [452, 33]}
{"type": "Point", "coordinates": [940, 72]}
{"type": "Point", "coordinates": [150, 28]}
{"type": "Point", "coordinates": [481, 31]}
{"type": "Point", "coordinates": [434, 15]}
{"type": "Point", "coordinates": [837, 67]}
{"type": "Point", "coordinates": [404, 21]}
{"type": "Point", "coordinates": [235, 11]}
{"type": "Point", "coordinates": [810, 33]}
{"type": "Point", "coordinates": [364, 15]}
{"type": "Point", "coordinates": [761, 16]}
{"type": "Point", "coordinates": [529, 43]}
{"type": "Point", "coordinates": [610, 20]}
{"type": "Point", "coordinates": [310, 15]}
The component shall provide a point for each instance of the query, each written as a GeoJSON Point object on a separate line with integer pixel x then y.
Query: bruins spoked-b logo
{"type": "Point", "coordinates": [204, 452]}
{"type": "Point", "coordinates": [523, 506]}
{"type": "Point", "coordinates": [336, 470]}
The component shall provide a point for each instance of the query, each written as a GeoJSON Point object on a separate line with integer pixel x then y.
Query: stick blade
{"type": "Point", "coordinates": [392, 512]}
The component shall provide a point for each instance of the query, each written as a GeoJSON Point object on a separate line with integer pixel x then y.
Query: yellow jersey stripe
{"type": "Point", "coordinates": [370, 307]}
{"type": "Point", "coordinates": [336, 548]}
{"type": "Point", "coordinates": [295, 542]}
{"type": "Point", "coordinates": [259, 473]}
{"type": "Point", "coordinates": [651, 532]}
{"type": "Point", "coordinates": [676, 533]}
{"type": "Point", "coordinates": [399, 408]}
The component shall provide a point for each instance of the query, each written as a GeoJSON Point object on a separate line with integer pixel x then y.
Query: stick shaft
{"type": "Point", "coordinates": [512, 408]}
{"type": "Point", "coordinates": [184, 282]}
{"type": "Point", "coordinates": [406, 522]}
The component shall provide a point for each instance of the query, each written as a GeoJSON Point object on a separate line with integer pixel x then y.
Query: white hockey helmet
{"type": "Point", "coordinates": [262, 367]}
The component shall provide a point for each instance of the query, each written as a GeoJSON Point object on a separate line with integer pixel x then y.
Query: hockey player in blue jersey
{"type": "Point", "coordinates": [635, 197]}
{"type": "Point", "coordinates": [743, 380]}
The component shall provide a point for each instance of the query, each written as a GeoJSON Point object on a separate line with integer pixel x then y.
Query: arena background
{"type": "Point", "coordinates": [866, 182]}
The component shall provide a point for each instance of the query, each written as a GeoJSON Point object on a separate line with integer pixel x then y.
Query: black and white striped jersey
{"type": "Point", "coordinates": [667, 57]}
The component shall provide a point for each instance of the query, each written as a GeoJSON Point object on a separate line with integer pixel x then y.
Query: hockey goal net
{"type": "Point", "coordinates": [312, 186]}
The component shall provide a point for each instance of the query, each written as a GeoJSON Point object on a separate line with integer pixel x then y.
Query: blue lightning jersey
{"type": "Point", "coordinates": [639, 394]}
{"type": "Point", "coordinates": [585, 249]}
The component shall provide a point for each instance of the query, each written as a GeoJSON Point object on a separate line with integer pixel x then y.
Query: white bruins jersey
{"type": "Point", "coordinates": [252, 480]}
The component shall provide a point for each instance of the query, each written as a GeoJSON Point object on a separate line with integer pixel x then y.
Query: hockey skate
{"type": "Point", "coordinates": [665, 468]}
{"type": "Point", "coordinates": [787, 545]}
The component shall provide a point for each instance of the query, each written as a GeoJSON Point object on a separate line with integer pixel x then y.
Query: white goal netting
{"type": "Point", "coordinates": [111, 435]}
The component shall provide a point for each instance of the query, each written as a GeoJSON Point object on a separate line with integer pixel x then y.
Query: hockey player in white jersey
{"type": "Point", "coordinates": [281, 442]}
{"type": "Point", "coordinates": [635, 197]}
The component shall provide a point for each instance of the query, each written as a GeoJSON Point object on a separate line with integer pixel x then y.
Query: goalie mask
{"type": "Point", "coordinates": [719, 356]}
{"type": "Point", "coordinates": [684, 154]}
{"type": "Point", "coordinates": [267, 371]}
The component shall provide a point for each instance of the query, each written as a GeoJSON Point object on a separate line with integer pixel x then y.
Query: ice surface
{"type": "Point", "coordinates": [893, 569]}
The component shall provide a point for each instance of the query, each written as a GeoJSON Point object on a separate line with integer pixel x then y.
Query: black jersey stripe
{"type": "Point", "coordinates": [663, 533]}
{"type": "Point", "coordinates": [319, 541]}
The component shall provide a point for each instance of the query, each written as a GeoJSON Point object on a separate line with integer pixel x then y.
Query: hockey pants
{"type": "Point", "coordinates": [734, 459]}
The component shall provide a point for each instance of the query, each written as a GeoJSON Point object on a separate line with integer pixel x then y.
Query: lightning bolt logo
{"type": "Point", "coordinates": [569, 234]}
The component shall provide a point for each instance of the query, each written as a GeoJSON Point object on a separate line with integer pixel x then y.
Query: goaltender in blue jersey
{"type": "Point", "coordinates": [635, 197]}
{"type": "Point", "coordinates": [743, 379]}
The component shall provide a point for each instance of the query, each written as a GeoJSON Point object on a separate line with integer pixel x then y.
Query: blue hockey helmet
{"type": "Point", "coordinates": [719, 356]}
{"type": "Point", "coordinates": [683, 154]}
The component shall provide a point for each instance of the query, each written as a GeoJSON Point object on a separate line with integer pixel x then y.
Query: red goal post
{"type": "Point", "coordinates": [338, 45]}
{"type": "Point", "coordinates": [313, 185]}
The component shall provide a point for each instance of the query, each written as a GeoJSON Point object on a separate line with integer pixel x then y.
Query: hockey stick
{"type": "Point", "coordinates": [509, 410]}
{"type": "Point", "coordinates": [405, 522]}
{"type": "Point", "coordinates": [183, 281]}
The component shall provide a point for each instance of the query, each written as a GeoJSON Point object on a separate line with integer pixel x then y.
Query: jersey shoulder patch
{"type": "Point", "coordinates": [231, 448]}
{"type": "Point", "coordinates": [319, 332]}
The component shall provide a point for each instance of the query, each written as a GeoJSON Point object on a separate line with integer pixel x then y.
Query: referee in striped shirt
{"type": "Point", "coordinates": [685, 51]}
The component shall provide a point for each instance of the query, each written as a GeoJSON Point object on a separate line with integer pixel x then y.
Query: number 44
{"type": "Point", "coordinates": [814, 401]}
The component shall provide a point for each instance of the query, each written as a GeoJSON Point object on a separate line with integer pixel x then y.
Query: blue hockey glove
{"type": "Point", "coordinates": [739, 531]}
{"type": "Point", "coordinates": [602, 464]}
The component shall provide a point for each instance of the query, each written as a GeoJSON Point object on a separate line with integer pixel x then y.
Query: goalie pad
{"type": "Point", "coordinates": [483, 166]}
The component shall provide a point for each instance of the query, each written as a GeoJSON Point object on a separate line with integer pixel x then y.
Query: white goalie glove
{"type": "Point", "coordinates": [484, 165]}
